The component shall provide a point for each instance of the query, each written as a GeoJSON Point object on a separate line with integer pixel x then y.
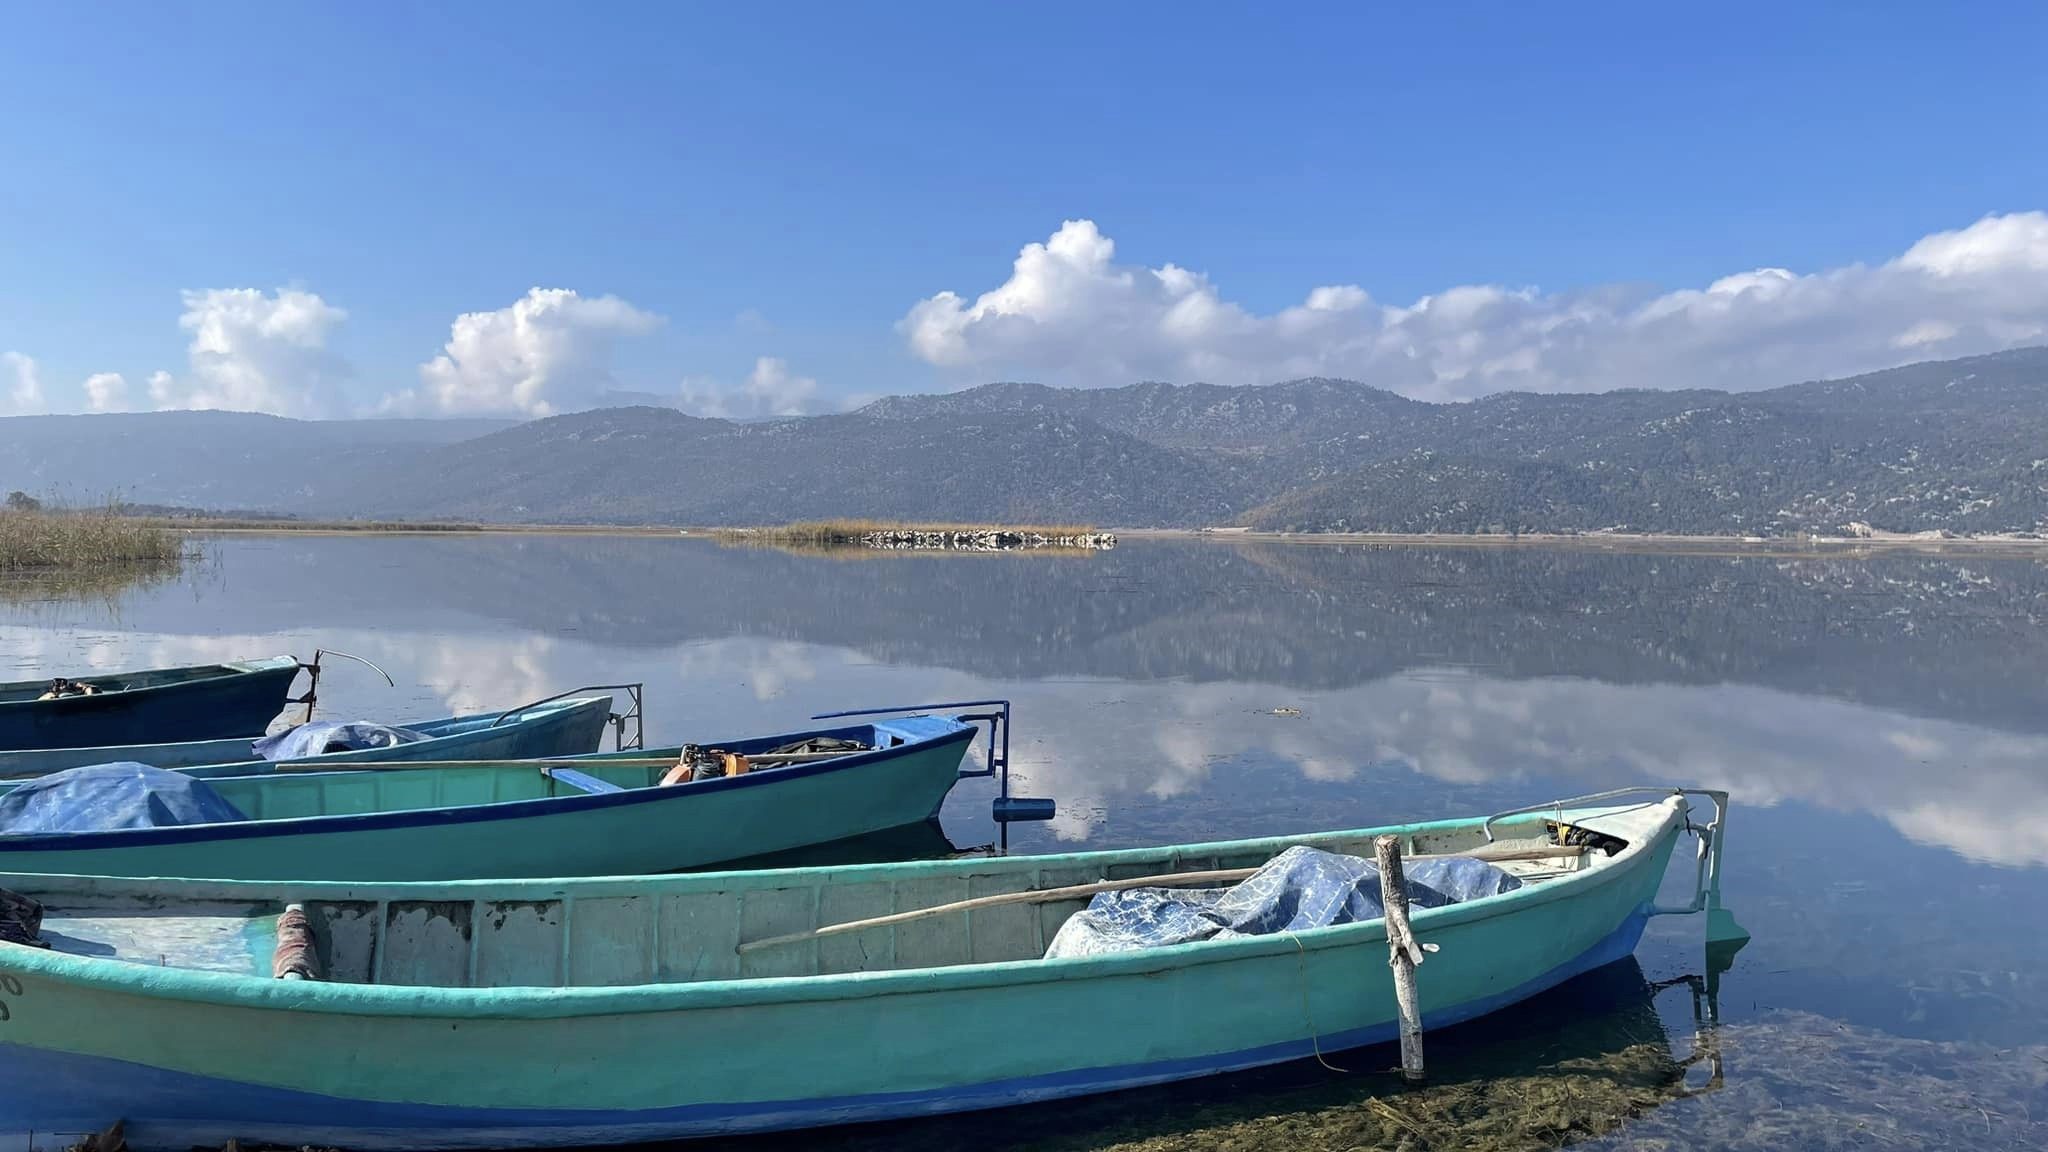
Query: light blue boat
{"type": "Point", "coordinates": [203, 702]}
{"type": "Point", "coordinates": [570, 816]}
{"type": "Point", "coordinates": [570, 727]}
{"type": "Point", "coordinates": [558, 1012]}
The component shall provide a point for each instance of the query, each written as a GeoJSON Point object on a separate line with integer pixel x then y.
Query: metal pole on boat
{"type": "Point", "coordinates": [1403, 954]}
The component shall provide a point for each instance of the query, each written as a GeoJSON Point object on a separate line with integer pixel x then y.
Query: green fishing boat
{"type": "Point", "coordinates": [200, 702]}
{"type": "Point", "coordinates": [604, 813]}
{"type": "Point", "coordinates": [537, 1013]}
{"type": "Point", "coordinates": [570, 726]}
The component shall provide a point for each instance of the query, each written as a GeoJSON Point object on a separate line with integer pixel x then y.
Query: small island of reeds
{"type": "Point", "coordinates": [885, 535]}
{"type": "Point", "coordinates": [35, 539]}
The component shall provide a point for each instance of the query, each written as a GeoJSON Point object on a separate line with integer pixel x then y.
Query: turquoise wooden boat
{"type": "Point", "coordinates": [578, 1012]}
{"type": "Point", "coordinates": [570, 727]}
{"type": "Point", "coordinates": [573, 816]}
{"type": "Point", "coordinates": [205, 702]}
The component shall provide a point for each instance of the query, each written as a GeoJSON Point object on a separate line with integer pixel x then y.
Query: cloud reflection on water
{"type": "Point", "coordinates": [1102, 746]}
{"type": "Point", "coordinates": [1976, 791]}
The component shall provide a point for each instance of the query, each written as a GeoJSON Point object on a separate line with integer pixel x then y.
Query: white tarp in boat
{"type": "Point", "coordinates": [319, 737]}
{"type": "Point", "coordinates": [1301, 888]}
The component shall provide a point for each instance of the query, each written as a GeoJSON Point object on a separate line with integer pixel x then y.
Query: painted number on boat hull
{"type": "Point", "coordinates": [12, 987]}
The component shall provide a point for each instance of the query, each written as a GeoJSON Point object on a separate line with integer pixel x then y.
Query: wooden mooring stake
{"type": "Point", "coordinates": [1403, 954]}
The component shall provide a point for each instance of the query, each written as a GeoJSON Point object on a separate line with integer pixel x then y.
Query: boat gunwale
{"type": "Point", "coordinates": [537, 1002]}
{"type": "Point", "coordinates": [964, 733]}
{"type": "Point", "coordinates": [550, 710]}
{"type": "Point", "coordinates": [222, 670]}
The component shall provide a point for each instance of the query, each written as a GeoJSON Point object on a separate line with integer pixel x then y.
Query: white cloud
{"type": "Point", "coordinates": [22, 394]}
{"type": "Point", "coordinates": [548, 352]}
{"type": "Point", "coordinates": [163, 389]}
{"type": "Point", "coordinates": [2015, 243]}
{"type": "Point", "coordinates": [1070, 314]}
{"type": "Point", "coordinates": [106, 392]}
{"type": "Point", "coordinates": [771, 389]}
{"type": "Point", "coordinates": [21, 387]}
{"type": "Point", "coordinates": [256, 352]}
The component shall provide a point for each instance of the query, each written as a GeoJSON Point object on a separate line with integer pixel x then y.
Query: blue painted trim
{"type": "Point", "coordinates": [582, 781]}
{"type": "Point", "coordinates": [473, 813]}
{"type": "Point", "coordinates": [175, 1111]}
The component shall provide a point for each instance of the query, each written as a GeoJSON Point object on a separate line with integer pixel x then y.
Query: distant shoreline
{"type": "Point", "coordinates": [408, 528]}
{"type": "Point", "coordinates": [1612, 542]}
{"type": "Point", "coordinates": [1621, 542]}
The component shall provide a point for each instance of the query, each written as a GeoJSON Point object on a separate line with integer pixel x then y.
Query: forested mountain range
{"type": "Point", "coordinates": [1959, 446]}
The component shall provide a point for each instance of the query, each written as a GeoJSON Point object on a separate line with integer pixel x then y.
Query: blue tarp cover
{"type": "Point", "coordinates": [333, 736]}
{"type": "Point", "coordinates": [104, 797]}
{"type": "Point", "coordinates": [1300, 888]}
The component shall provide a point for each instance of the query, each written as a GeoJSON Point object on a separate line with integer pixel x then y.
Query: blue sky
{"type": "Point", "coordinates": [792, 181]}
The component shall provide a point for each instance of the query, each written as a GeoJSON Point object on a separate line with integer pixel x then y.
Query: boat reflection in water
{"type": "Point", "coordinates": [1574, 1064]}
{"type": "Point", "coordinates": [925, 840]}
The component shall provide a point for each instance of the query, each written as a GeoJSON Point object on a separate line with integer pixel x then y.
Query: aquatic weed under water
{"type": "Point", "coordinates": [100, 538]}
{"type": "Point", "coordinates": [1551, 1075]}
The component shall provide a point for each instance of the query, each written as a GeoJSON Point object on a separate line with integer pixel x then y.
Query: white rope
{"type": "Point", "coordinates": [1301, 958]}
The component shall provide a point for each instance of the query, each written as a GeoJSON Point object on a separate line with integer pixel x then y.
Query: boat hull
{"type": "Point", "coordinates": [640, 830]}
{"type": "Point", "coordinates": [571, 728]}
{"type": "Point", "coordinates": [241, 701]}
{"type": "Point", "coordinates": [766, 1054]}
{"type": "Point", "coordinates": [178, 1111]}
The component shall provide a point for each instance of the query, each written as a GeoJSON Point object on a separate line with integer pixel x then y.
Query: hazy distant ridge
{"type": "Point", "coordinates": [1959, 446]}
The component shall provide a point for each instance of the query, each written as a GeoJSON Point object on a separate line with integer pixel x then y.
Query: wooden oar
{"type": "Point", "coordinates": [623, 762]}
{"type": "Point", "coordinates": [1076, 891]}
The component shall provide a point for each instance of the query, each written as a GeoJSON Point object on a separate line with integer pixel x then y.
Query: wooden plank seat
{"type": "Point", "coordinates": [581, 781]}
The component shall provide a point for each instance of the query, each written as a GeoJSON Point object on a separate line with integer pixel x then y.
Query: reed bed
{"type": "Point", "coordinates": [819, 533]}
{"type": "Point", "coordinates": [71, 541]}
{"type": "Point", "coordinates": [859, 553]}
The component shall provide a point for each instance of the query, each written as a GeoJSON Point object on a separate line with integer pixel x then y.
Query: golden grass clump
{"type": "Point", "coordinates": [33, 540]}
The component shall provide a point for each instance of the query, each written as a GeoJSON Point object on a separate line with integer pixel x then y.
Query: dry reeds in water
{"type": "Point", "coordinates": [855, 531]}
{"type": "Point", "coordinates": [43, 541]}
{"type": "Point", "coordinates": [880, 538]}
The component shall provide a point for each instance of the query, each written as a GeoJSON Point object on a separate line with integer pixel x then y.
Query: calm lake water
{"type": "Point", "coordinates": [1883, 724]}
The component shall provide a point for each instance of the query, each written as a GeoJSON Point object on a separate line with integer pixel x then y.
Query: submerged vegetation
{"type": "Point", "coordinates": [36, 539]}
{"type": "Point", "coordinates": [894, 536]}
{"type": "Point", "coordinates": [1607, 1080]}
